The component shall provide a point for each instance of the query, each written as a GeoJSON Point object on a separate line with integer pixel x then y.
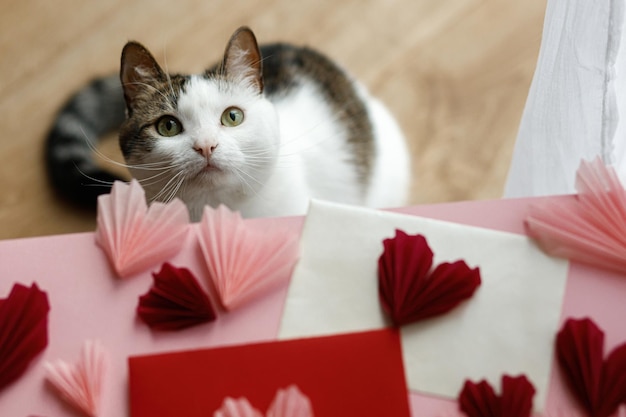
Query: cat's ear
{"type": "Point", "coordinates": [242, 58]}
{"type": "Point", "coordinates": [138, 70]}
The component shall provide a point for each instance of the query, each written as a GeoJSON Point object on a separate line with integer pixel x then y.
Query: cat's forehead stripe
{"type": "Point", "coordinates": [204, 92]}
{"type": "Point", "coordinates": [170, 90]}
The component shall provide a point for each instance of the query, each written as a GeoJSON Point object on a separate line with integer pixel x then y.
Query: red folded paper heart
{"type": "Point", "coordinates": [23, 330]}
{"type": "Point", "coordinates": [407, 289]}
{"type": "Point", "coordinates": [175, 301]}
{"type": "Point", "coordinates": [599, 385]}
{"type": "Point", "coordinates": [480, 400]}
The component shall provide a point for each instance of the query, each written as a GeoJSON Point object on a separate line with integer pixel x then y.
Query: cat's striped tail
{"type": "Point", "coordinates": [91, 113]}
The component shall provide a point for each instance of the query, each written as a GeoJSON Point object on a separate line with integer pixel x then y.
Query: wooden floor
{"type": "Point", "coordinates": [455, 73]}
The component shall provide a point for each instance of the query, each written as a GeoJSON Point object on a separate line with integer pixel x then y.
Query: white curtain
{"type": "Point", "coordinates": [575, 100]}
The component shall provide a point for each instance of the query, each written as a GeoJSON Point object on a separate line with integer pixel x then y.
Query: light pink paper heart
{"type": "Point", "coordinates": [244, 261]}
{"type": "Point", "coordinates": [588, 228]}
{"type": "Point", "coordinates": [288, 402]}
{"type": "Point", "coordinates": [239, 407]}
{"type": "Point", "coordinates": [136, 237]}
{"type": "Point", "coordinates": [81, 383]}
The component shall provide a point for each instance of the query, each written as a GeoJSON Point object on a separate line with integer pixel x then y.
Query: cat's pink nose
{"type": "Point", "coordinates": [205, 151]}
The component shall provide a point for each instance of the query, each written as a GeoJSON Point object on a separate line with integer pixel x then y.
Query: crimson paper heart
{"type": "Point", "coordinates": [599, 385]}
{"type": "Point", "coordinates": [480, 400]}
{"type": "Point", "coordinates": [23, 330]}
{"type": "Point", "coordinates": [175, 301]}
{"type": "Point", "coordinates": [409, 291]}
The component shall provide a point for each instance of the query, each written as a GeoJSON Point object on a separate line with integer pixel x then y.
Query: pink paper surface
{"type": "Point", "coordinates": [88, 302]}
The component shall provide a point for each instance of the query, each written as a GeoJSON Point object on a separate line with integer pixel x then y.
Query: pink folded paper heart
{"type": "Point", "coordinates": [81, 384]}
{"type": "Point", "coordinates": [134, 236]}
{"type": "Point", "coordinates": [23, 330]}
{"type": "Point", "coordinates": [243, 260]}
{"type": "Point", "coordinates": [409, 291]}
{"type": "Point", "coordinates": [589, 228]}
{"type": "Point", "coordinates": [289, 402]}
{"type": "Point", "coordinates": [599, 384]}
{"type": "Point", "coordinates": [480, 400]}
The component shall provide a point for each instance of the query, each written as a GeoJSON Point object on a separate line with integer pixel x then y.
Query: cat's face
{"type": "Point", "coordinates": [212, 134]}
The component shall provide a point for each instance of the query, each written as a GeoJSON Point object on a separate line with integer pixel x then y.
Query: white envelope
{"type": "Point", "coordinates": [507, 327]}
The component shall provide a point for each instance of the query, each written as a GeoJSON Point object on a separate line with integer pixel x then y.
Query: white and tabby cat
{"type": "Point", "coordinates": [263, 132]}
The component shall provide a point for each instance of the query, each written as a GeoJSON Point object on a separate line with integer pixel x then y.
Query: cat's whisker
{"type": "Point", "coordinates": [166, 189]}
{"type": "Point", "coordinates": [244, 182]}
{"type": "Point", "coordinates": [147, 166]}
{"type": "Point", "coordinates": [175, 189]}
{"type": "Point", "coordinates": [97, 181]}
{"type": "Point", "coordinates": [167, 74]}
{"type": "Point", "coordinates": [155, 179]}
{"type": "Point", "coordinates": [153, 88]}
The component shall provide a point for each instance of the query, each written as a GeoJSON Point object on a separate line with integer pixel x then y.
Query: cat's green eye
{"type": "Point", "coordinates": [169, 126]}
{"type": "Point", "coordinates": [232, 116]}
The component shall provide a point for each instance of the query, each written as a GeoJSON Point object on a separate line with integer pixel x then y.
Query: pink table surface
{"type": "Point", "coordinates": [88, 302]}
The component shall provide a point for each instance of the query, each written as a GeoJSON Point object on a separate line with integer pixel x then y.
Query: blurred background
{"type": "Point", "coordinates": [455, 73]}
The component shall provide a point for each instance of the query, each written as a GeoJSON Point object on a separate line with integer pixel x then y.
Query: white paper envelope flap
{"type": "Point", "coordinates": [508, 326]}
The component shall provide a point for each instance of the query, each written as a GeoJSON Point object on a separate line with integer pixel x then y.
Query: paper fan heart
{"type": "Point", "coordinates": [23, 330]}
{"type": "Point", "coordinates": [480, 400]}
{"type": "Point", "coordinates": [134, 236]}
{"type": "Point", "coordinates": [81, 384]}
{"type": "Point", "coordinates": [239, 407]}
{"type": "Point", "coordinates": [243, 261]}
{"type": "Point", "coordinates": [175, 301]}
{"type": "Point", "coordinates": [599, 384]}
{"type": "Point", "coordinates": [590, 228]}
{"type": "Point", "coordinates": [409, 291]}
{"type": "Point", "coordinates": [288, 402]}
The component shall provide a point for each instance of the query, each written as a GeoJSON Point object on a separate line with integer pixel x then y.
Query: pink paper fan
{"type": "Point", "coordinates": [175, 301]}
{"type": "Point", "coordinates": [23, 330]}
{"type": "Point", "coordinates": [409, 291]}
{"type": "Point", "coordinates": [290, 402]}
{"type": "Point", "coordinates": [590, 228]}
{"type": "Point", "coordinates": [244, 261]}
{"type": "Point", "coordinates": [134, 236]}
{"type": "Point", "coordinates": [81, 384]}
{"type": "Point", "coordinates": [239, 407]}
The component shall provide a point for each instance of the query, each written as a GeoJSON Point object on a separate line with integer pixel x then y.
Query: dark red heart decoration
{"type": "Point", "coordinates": [23, 330]}
{"type": "Point", "coordinates": [175, 301]}
{"type": "Point", "coordinates": [599, 385]}
{"type": "Point", "coordinates": [480, 400]}
{"type": "Point", "coordinates": [409, 291]}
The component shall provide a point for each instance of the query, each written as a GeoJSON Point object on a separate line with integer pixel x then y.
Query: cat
{"type": "Point", "coordinates": [262, 132]}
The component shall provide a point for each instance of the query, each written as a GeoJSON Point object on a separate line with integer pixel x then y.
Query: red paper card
{"type": "Point", "coordinates": [359, 374]}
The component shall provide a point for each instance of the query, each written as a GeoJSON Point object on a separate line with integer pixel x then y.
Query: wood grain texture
{"type": "Point", "coordinates": [455, 73]}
